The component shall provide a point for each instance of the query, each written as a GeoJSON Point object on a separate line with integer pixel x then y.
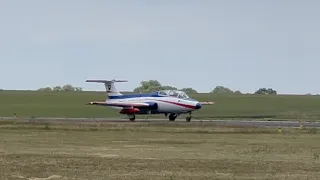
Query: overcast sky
{"type": "Point", "coordinates": [243, 45]}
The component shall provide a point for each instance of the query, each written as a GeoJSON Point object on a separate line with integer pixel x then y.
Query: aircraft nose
{"type": "Point", "coordinates": [198, 106]}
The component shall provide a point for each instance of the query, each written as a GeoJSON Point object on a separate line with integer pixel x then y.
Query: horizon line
{"type": "Point", "coordinates": [103, 91]}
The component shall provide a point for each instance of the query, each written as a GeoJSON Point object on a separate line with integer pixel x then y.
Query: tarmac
{"type": "Point", "coordinates": [234, 123]}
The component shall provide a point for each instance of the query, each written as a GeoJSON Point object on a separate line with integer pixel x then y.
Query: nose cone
{"type": "Point", "coordinates": [198, 106]}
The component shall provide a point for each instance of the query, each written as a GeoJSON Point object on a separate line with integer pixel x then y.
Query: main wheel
{"type": "Point", "coordinates": [188, 119]}
{"type": "Point", "coordinates": [172, 117]}
{"type": "Point", "coordinates": [133, 118]}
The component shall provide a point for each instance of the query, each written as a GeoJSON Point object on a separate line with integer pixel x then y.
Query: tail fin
{"type": "Point", "coordinates": [109, 85]}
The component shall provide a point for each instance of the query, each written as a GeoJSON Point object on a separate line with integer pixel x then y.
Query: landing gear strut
{"type": "Point", "coordinates": [132, 117]}
{"type": "Point", "coordinates": [172, 117]}
{"type": "Point", "coordinates": [188, 118]}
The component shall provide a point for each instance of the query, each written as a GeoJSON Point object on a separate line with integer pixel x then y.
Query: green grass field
{"type": "Point", "coordinates": [135, 151]}
{"type": "Point", "coordinates": [72, 104]}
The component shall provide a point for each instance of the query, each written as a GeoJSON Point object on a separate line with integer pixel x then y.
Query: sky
{"type": "Point", "coordinates": [243, 45]}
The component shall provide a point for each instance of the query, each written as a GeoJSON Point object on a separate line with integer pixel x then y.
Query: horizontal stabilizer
{"type": "Point", "coordinates": [109, 85]}
{"type": "Point", "coordinates": [105, 81]}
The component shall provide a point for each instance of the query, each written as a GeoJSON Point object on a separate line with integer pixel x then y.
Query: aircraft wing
{"type": "Point", "coordinates": [206, 103]}
{"type": "Point", "coordinates": [119, 104]}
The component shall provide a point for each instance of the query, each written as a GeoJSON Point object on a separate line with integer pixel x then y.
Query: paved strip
{"type": "Point", "coordinates": [236, 123]}
{"type": "Point", "coordinates": [264, 123]}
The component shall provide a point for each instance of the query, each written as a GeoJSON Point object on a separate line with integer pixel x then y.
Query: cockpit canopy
{"type": "Point", "coordinates": [173, 93]}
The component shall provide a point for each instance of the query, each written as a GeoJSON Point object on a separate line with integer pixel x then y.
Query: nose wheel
{"type": "Point", "coordinates": [188, 118]}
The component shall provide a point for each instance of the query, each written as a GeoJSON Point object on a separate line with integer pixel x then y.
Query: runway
{"type": "Point", "coordinates": [234, 123]}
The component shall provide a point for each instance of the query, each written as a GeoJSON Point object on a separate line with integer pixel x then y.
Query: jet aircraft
{"type": "Point", "coordinates": [172, 102]}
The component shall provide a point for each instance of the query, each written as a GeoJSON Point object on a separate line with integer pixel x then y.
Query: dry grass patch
{"type": "Point", "coordinates": [135, 151]}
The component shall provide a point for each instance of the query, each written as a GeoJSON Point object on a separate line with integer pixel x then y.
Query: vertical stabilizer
{"type": "Point", "coordinates": [109, 85]}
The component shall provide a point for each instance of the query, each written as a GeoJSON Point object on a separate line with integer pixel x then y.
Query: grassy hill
{"type": "Point", "coordinates": [72, 104]}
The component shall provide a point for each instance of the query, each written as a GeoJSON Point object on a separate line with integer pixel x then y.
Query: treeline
{"type": "Point", "coordinates": [66, 87]}
{"type": "Point", "coordinates": [154, 85]}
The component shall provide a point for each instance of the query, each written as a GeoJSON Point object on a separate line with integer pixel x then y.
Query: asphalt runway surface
{"type": "Point", "coordinates": [234, 123]}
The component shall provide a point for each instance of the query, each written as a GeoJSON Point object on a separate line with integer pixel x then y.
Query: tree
{"type": "Point", "coordinates": [168, 88]}
{"type": "Point", "coordinates": [57, 88]}
{"type": "Point", "coordinates": [189, 90]}
{"type": "Point", "coordinates": [154, 85]}
{"type": "Point", "coordinates": [78, 89]}
{"type": "Point", "coordinates": [221, 90]}
{"type": "Point", "coordinates": [66, 87]}
{"type": "Point", "coordinates": [265, 91]}
{"type": "Point", "coordinates": [45, 89]}
{"type": "Point", "coordinates": [150, 86]}
{"type": "Point", "coordinates": [237, 92]}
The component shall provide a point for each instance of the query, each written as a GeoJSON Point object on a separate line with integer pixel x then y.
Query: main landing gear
{"type": "Point", "coordinates": [173, 117]}
{"type": "Point", "coordinates": [132, 117]}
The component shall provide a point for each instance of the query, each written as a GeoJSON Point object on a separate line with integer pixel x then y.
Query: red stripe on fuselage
{"type": "Point", "coordinates": [179, 104]}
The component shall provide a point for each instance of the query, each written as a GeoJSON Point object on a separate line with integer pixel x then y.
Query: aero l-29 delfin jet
{"type": "Point", "coordinates": [172, 102]}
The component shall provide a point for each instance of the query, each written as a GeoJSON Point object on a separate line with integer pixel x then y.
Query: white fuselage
{"type": "Point", "coordinates": [165, 104]}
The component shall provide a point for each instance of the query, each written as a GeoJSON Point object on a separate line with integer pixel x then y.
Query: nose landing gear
{"type": "Point", "coordinates": [188, 118]}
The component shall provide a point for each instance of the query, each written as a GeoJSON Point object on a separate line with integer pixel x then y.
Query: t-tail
{"type": "Point", "coordinates": [110, 87]}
